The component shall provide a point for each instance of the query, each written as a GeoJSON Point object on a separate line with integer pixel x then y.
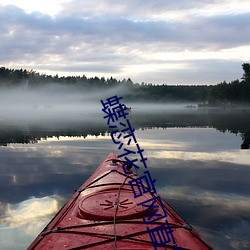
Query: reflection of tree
{"type": "Point", "coordinates": [246, 141]}
{"type": "Point", "coordinates": [16, 137]}
{"type": "Point", "coordinates": [20, 135]}
{"type": "Point", "coordinates": [232, 121]}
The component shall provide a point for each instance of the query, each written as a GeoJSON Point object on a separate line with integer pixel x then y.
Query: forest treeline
{"type": "Point", "coordinates": [236, 91]}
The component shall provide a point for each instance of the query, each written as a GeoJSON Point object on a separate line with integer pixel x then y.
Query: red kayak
{"type": "Point", "coordinates": [113, 210]}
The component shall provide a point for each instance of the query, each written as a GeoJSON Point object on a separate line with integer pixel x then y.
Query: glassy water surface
{"type": "Point", "coordinates": [199, 158]}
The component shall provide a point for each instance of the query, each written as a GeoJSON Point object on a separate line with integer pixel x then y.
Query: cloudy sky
{"type": "Point", "coordinates": [157, 41]}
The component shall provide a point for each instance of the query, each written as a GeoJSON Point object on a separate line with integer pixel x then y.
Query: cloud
{"type": "Point", "coordinates": [126, 39]}
{"type": "Point", "coordinates": [116, 30]}
{"type": "Point", "coordinates": [149, 9]}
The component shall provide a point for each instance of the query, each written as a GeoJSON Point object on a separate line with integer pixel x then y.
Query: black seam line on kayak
{"type": "Point", "coordinates": [73, 202]}
{"type": "Point", "coordinates": [110, 184]}
{"type": "Point", "coordinates": [44, 233]}
{"type": "Point", "coordinates": [65, 229]}
{"type": "Point", "coordinates": [79, 191]}
{"type": "Point", "coordinates": [112, 170]}
{"type": "Point", "coordinates": [127, 176]}
{"type": "Point", "coordinates": [67, 209]}
{"type": "Point", "coordinates": [170, 212]}
{"type": "Point", "coordinates": [173, 213]}
{"type": "Point", "coordinates": [116, 210]}
{"type": "Point", "coordinates": [191, 229]}
{"type": "Point", "coordinates": [121, 222]}
{"type": "Point", "coordinates": [119, 237]}
{"type": "Point", "coordinates": [48, 232]}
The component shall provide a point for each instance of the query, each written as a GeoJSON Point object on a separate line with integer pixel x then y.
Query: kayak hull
{"type": "Point", "coordinates": [104, 213]}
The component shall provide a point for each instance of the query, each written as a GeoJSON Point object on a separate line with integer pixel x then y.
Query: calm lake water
{"type": "Point", "coordinates": [196, 157]}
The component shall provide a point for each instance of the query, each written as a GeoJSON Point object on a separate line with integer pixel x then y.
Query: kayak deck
{"type": "Point", "coordinates": [104, 213]}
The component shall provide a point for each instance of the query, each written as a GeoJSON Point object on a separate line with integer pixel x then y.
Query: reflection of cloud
{"type": "Point", "coordinates": [169, 146]}
{"type": "Point", "coordinates": [2, 209]}
{"type": "Point", "coordinates": [25, 220]}
{"type": "Point", "coordinates": [228, 203]}
{"type": "Point", "coordinates": [55, 156]}
{"type": "Point", "coordinates": [29, 213]}
{"type": "Point", "coordinates": [202, 144]}
{"type": "Point", "coordinates": [236, 157]}
{"type": "Point", "coordinates": [221, 218]}
{"type": "Point", "coordinates": [189, 139]}
{"type": "Point", "coordinates": [220, 240]}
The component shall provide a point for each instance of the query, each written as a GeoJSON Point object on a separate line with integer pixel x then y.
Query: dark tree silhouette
{"type": "Point", "coordinates": [220, 94]}
{"type": "Point", "coordinates": [246, 69]}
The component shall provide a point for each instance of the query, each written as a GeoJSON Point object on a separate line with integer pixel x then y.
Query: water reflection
{"type": "Point", "coordinates": [20, 222]}
{"type": "Point", "coordinates": [29, 210]}
{"type": "Point", "coordinates": [233, 121]}
{"type": "Point", "coordinates": [198, 169]}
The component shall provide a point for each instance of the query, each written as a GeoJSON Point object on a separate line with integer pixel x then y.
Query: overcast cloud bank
{"type": "Point", "coordinates": [184, 42]}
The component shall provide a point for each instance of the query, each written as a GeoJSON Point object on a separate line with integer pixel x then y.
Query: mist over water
{"type": "Point", "coordinates": [54, 103]}
{"type": "Point", "coordinates": [58, 109]}
{"type": "Point", "coordinates": [194, 154]}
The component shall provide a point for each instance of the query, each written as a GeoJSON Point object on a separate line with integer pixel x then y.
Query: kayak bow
{"type": "Point", "coordinates": [104, 214]}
